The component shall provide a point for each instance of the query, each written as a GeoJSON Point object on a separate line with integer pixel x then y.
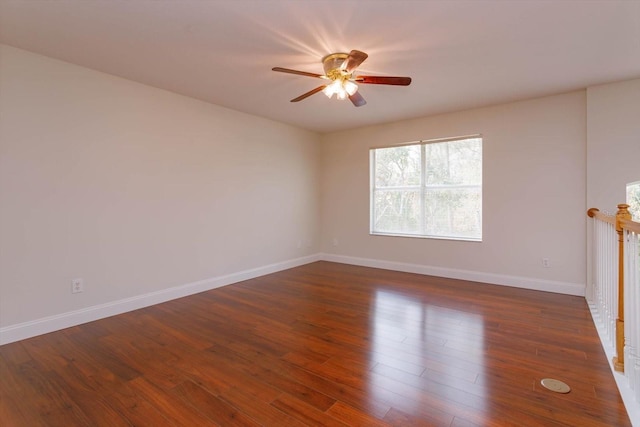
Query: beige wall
{"type": "Point", "coordinates": [613, 149]}
{"type": "Point", "coordinates": [533, 195]}
{"type": "Point", "coordinates": [137, 190]}
{"type": "Point", "coordinates": [613, 142]}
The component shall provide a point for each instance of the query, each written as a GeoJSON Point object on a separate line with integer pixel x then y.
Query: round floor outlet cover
{"type": "Point", "coordinates": [555, 385]}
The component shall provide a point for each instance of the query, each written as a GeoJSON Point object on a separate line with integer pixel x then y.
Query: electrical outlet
{"type": "Point", "coordinates": [546, 263]}
{"type": "Point", "coordinates": [77, 286]}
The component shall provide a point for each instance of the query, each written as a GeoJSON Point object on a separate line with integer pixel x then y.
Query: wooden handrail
{"type": "Point", "coordinates": [596, 214]}
{"type": "Point", "coordinates": [630, 225]}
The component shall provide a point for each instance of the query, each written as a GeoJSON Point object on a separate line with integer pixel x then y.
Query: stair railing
{"type": "Point", "coordinates": [616, 287]}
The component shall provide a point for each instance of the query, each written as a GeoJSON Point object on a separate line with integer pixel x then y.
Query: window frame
{"type": "Point", "coordinates": [422, 188]}
{"type": "Point", "coordinates": [633, 208]}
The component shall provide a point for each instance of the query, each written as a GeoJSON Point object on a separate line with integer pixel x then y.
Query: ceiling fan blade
{"type": "Point", "coordinates": [308, 94]}
{"type": "Point", "coordinates": [357, 99]}
{"type": "Point", "coordinates": [354, 59]}
{"type": "Point", "coordinates": [384, 80]}
{"type": "Point", "coordinates": [300, 73]}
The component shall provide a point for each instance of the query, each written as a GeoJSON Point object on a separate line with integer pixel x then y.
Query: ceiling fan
{"type": "Point", "coordinates": [339, 70]}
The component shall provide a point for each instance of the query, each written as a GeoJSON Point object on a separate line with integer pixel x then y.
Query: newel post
{"type": "Point", "coordinates": [618, 361]}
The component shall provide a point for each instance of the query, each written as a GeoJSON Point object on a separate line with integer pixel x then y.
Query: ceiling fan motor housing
{"type": "Point", "coordinates": [333, 65]}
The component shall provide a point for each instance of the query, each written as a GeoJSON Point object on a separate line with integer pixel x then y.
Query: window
{"type": "Point", "coordinates": [428, 189]}
{"type": "Point", "coordinates": [633, 200]}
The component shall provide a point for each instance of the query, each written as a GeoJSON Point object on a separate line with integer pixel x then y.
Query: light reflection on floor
{"type": "Point", "coordinates": [416, 345]}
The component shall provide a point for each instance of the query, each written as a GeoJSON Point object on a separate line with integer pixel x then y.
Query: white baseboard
{"type": "Point", "coordinates": [474, 276]}
{"type": "Point", "coordinates": [77, 317]}
{"type": "Point", "coordinates": [45, 325]}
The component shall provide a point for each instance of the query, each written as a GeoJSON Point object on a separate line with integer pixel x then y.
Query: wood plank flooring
{"type": "Point", "coordinates": [324, 344]}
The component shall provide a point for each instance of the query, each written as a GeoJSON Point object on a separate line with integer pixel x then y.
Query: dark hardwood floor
{"type": "Point", "coordinates": [323, 344]}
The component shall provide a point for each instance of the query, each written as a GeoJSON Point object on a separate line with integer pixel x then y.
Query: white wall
{"type": "Point", "coordinates": [137, 190]}
{"type": "Point", "coordinates": [533, 196]}
{"type": "Point", "coordinates": [613, 148]}
{"type": "Point", "coordinates": [613, 142]}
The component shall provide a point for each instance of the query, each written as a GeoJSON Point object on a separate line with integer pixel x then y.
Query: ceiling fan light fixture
{"type": "Point", "coordinates": [350, 87]}
{"type": "Point", "coordinates": [335, 87]}
{"type": "Point", "coordinates": [341, 88]}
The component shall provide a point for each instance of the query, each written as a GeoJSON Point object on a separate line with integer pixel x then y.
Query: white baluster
{"type": "Point", "coordinates": [630, 344]}
{"type": "Point", "coordinates": [632, 281]}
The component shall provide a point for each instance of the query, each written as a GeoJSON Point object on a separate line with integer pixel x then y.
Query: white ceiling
{"type": "Point", "coordinates": [460, 54]}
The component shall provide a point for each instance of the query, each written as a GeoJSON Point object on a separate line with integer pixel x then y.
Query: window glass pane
{"type": "Point", "coordinates": [453, 212]}
{"type": "Point", "coordinates": [397, 166]}
{"type": "Point", "coordinates": [633, 200]}
{"type": "Point", "coordinates": [397, 211]}
{"type": "Point", "coordinates": [454, 162]}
